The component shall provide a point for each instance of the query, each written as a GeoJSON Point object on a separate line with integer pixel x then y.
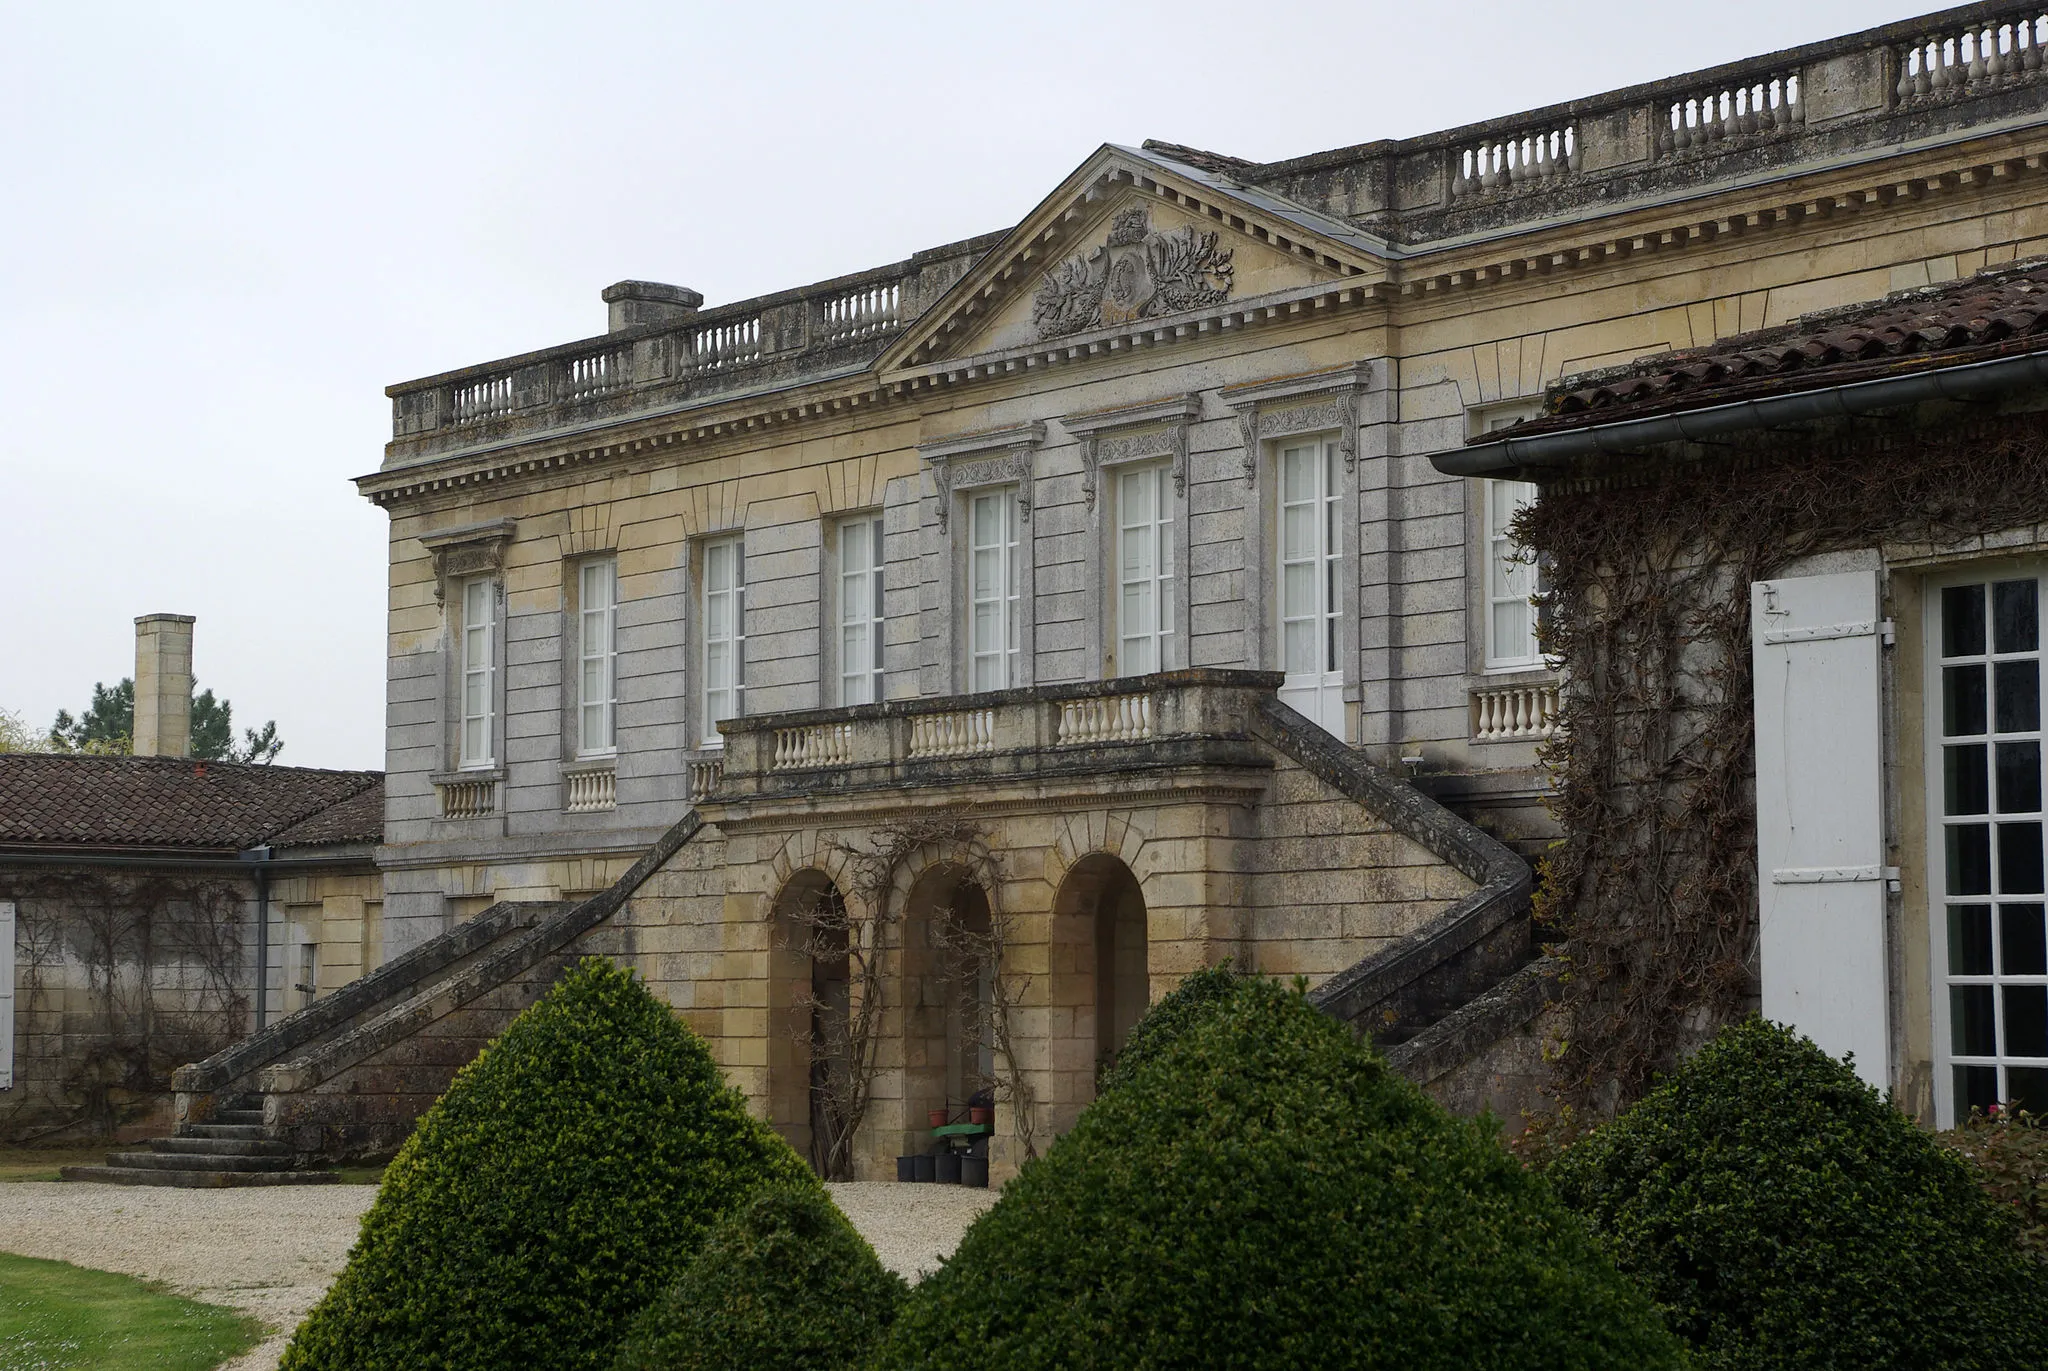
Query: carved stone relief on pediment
{"type": "Point", "coordinates": [1137, 273]}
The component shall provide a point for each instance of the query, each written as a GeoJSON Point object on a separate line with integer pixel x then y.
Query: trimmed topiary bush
{"type": "Point", "coordinates": [549, 1196]}
{"type": "Point", "coordinates": [1262, 1191]}
{"type": "Point", "coordinates": [1786, 1216]}
{"type": "Point", "coordinates": [782, 1284]}
{"type": "Point", "coordinates": [1196, 997]}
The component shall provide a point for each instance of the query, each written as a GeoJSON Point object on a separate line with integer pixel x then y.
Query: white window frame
{"type": "Point", "coordinates": [597, 657]}
{"type": "Point", "coordinates": [1948, 1107]}
{"type": "Point", "coordinates": [1145, 646]}
{"type": "Point", "coordinates": [1511, 577]}
{"type": "Point", "coordinates": [1322, 688]}
{"type": "Point", "coordinates": [477, 679]}
{"type": "Point", "coordinates": [997, 666]}
{"type": "Point", "coordinates": [728, 601]}
{"type": "Point", "coordinates": [859, 588]}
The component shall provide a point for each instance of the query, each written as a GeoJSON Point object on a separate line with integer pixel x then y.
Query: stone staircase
{"type": "Point", "coordinates": [233, 1150]}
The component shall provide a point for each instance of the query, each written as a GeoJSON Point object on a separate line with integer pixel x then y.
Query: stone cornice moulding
{"type": "Point", "coordinates": [1133, 433]}
{"type": "Point", "coordinates": [468, 550]}
{"type": "Point", "coordinates": [992, 457]}
{"type": "Point", "coordinates": [1307, 403]}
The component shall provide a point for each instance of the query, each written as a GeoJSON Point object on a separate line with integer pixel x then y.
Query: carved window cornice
{"type": "Point", "coordinates": [993, 457]}
{"type": "Point", "coordinates": [468, 550]}
{"type": "Point", "coordinates": [1288, 405]}
{"type": "Point", "coordinates": [1134, 433]}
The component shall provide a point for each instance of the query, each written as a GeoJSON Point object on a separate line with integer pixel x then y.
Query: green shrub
{"type": "Point", "coordinates": [1262, 1191]}
{"type": "Point", "coordinates": [2010, 1150]}
{"type": "Point", "coordinates": [1784, 1215]}
{"type": "Point", "coordinates": [550, 1195]}
{"type": "Point", "coordinates": [782, 1284]}
{"type": "Point", "coordinates": [1193, 1000]}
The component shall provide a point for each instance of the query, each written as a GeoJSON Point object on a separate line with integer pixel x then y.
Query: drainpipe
{"type": "Point", "coordinates": [260, 856]}
{"type": "Point", "coordinates": [1523, 456]}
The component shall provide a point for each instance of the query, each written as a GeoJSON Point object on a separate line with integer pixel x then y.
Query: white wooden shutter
{"type": "Point", "coordinates": [1820, 812]}
{"type": "Point", "coordinates": [6, 995]}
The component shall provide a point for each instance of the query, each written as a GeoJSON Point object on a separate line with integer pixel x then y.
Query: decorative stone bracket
{"type": "Point", "coordinates": [1134, 433]}
{"type": "Point", "coordinates": [993, 457]}
{"type": "Point", "coordinates": [469, 550]}
{"type": "Point", "coordinates": [1300, 404]}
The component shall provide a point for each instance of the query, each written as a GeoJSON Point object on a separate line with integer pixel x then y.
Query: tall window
{"type": "Point", "coordinates": [1510, 580]}
{"type": "Point", "coordinates": [725, 637]}
{"type": "Point", "coordinates": [1309, 587]}
{"type": "Point", "coordinates": [1144, 559]}
{"type": "Point", "coordinates": [597, 613]}
{"type": "Point", "coordinates": [479, 624]}
{"type": "Point", "coordinates": [1989, 832]}
{"type": "Point", "coordinates": [994, 580]}
{"type": "Point", "coordinates": [860, 610]}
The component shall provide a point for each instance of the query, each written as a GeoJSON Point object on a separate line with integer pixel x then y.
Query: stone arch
{"type": "Point", "coordinates": [945, 996]}
{"type": "Point", "coordinates": [809, 1002]}
{"type": "Point", "coordinates": [1100, 982]}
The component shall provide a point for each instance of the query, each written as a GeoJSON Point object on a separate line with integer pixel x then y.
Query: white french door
{"type": "Point", "coordinates": [725, 638]}
{"type": "Point", "coordinates": [1144, 558]}
{"type": "Point", "coordinates": [860, 611]}
{"type": "Point", "coordinates": [1309, 601]}
{"type": "Point", "coordinates": [995, 586]}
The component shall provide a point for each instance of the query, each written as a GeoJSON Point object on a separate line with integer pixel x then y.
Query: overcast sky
{"type": "Point", "coordinates": [225, 228]}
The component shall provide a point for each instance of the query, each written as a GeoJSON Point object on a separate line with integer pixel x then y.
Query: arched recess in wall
{"type": "Point", "coordinates": [948, 995]}
{"type": "Point", "coordinates": [809, 1011]}
{"type": "Point", "coordinates": [1101, 976]}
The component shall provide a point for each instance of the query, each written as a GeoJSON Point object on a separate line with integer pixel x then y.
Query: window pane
{"type": "Point", "coordinates": [1297, 590]}
{"type": "Point", "coordinates": [2018, 696]}
{"type": "Point", "coordinates": [1976, 1088]}
{"type": "Point", "coordinates": [473, 746]}
{"type": "Point", "coordinates": [593, 685]}
{"type": "Point", "coordinates": [987, 627]}
{"type": "Point", "coordinates": [1965, 789]}
{"type": "Point", "coordinates": [1971, 1032]}
{"type": "Point", "coordinates": [2015, 619]}
{"type": "Point", "coordinates": [1511, 636]}
{"type": "Point", "coordinates": [2019, 859]}
{"type": "Point", "coordinates": [1969, 940]}
{"type": "Point", "coordinates": [2026, 1020]}
{"type": "Point", "coordinates": [2019, 778]}
{"type": "Point", "coordinates": [1969, 860]}
{"type": "Point", "coordinates": [1962, 621]}
{"type": "Point", "coordinates": [1962, 700]}
{"type": "Point", "coordinates": [1298, 532]}
{"type": "Point", "coordinates": [2022, 946]}
{"type": "Point", "coordinates": [1297, 475]}
{"type": "Point", "coordinates": [2026, 1087]}
{"type": "Point", "coordinates": [1299, 646]}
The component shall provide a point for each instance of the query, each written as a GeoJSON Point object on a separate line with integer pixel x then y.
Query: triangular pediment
{"type": "Point", "coordinates": [1127, 239]}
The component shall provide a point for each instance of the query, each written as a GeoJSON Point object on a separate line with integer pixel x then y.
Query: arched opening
{"type": "Point", "coordinates": [811, 1024]}
{"type": "Point", "coordinates": [1101, 977]}
{"type": "Point", "coordinates": [950, 951]}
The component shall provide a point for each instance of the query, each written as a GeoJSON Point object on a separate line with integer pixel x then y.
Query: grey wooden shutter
{"type": "Point", "coordinates": [6, 995]}
{"type": "Point", "coordinates": [1820, 812]}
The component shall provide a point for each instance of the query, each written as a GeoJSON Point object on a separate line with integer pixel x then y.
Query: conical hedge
{"type": "Point", "coordinates": [783, 1284]}
{"type": "Point", "coordinates": [1262, 1191]}
{"type": "Point", "coordinates": [1786, 1216]}
{"type": "Point", "coordinates": [547, 1198]}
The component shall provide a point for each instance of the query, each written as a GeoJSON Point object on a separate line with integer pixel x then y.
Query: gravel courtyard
{"type": "Point", "coordinates": [273, 1252]}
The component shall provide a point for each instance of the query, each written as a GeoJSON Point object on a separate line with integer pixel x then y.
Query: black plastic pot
{"type": "Point", "coordinates": [946, 1168]}
{"type": "Point", "coordinates": [974, 1172]}
{"type": "Point", "coordinates": [921, 1168]}
{"type": "Point", "coordinates": [906, 1168]}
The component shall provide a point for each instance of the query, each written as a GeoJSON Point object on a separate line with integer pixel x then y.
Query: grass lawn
{"type": "Point", "coordinates": [54, 1316]}
{"type": "Point", "coordinates": [41, 1163]}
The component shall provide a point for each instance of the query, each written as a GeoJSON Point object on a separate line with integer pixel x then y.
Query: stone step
{"type": "Point", "coordinates": [194, 1180]}
{"type": "Point", "coordinates": [238, 1116]}
{"type": "Point", "coordinates": [220, 1147]}
{"type": "Point", "coordinates": [172, 1161]}
{"type": "Point", "coordinates": [250, 1132]}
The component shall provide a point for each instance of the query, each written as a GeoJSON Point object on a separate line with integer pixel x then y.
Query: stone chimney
{"type": "Point", "coordinates": [163, 685]}
{"type": "Point", "coordinates": [634, 303]}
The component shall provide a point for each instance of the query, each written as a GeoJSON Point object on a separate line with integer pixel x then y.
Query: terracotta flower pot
{"type": "Point", "coordinates": [938, 1118]}
{"type": "Point", "coordinates": [979, 1114]}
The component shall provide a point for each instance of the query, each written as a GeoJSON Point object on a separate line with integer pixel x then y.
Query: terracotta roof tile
{"type": "Point", "coordinates": [174, 802]}
{"type": "Point", "coordinates": [1995, 312]}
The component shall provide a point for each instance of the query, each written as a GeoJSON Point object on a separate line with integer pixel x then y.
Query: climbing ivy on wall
{"type": "Point", "coordinates": [1653, 885]}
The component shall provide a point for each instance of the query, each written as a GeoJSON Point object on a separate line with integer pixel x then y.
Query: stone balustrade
{"type": "Point", "coordinates": [1977, 55]}
{"type": "Point", "coordinates": [1519, 712]}
{"type": "Point", "coordinates": [995, 733]}
{"type": "Point", "coordinates": [705, 774]}
{"type": "Point", "coordinates": [467, 797]}
{"type": "Point", "coordinates": [1760, 106]}
{"type": "Point", "coordinates": [1523, 160]}
{"type": "Point", "coordinates": [588, 789]}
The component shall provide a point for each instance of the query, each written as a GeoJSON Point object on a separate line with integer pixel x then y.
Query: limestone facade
{"type": "Point", "coordinates": [600, 550]}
